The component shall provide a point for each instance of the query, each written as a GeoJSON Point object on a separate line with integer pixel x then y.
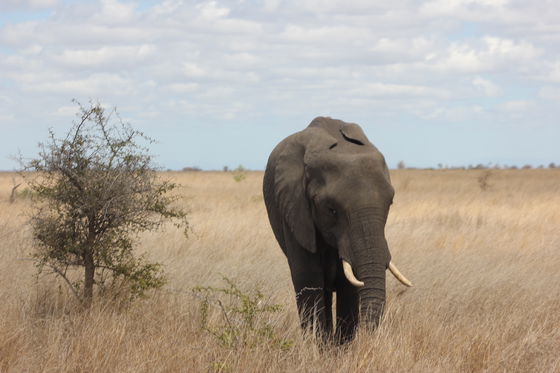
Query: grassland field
{"type": "Point", "coordinates": [481, 246]}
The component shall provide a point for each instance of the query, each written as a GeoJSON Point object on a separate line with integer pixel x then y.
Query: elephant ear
{"type": "Point", "coordinates": [354, 134]}
{"type": "Point", "coordinates": [290, 184]}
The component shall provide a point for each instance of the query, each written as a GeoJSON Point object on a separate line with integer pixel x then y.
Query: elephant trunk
{"type": "Point", "coordinates": [370, 258]}
{"type": "Point", "coordinates": [372, 294]}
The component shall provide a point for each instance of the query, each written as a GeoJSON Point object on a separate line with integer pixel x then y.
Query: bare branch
{"type": "Point", "coordinates": [13, 194]}
{"type": "Point", "coordinates": [65, 278]}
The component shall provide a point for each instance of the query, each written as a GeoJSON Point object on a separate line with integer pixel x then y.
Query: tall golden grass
{"type": "Point", "coordinates": [485, 261]}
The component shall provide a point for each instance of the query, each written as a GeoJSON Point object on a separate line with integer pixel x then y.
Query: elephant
{"type": "Point", "coordinates": [327, 193]}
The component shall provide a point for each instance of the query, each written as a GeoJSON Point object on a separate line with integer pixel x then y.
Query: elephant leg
{"type": "Point", "coordinates": [347, 310]}
{"type": "Point", "coordinates": [314, 308]}
{"type": "Point", "coordinates": [328, 313]}
{"type": "Point", "coordinates": [309, 284]}
{"type": "Point", "coordinates": [314, 304]}
{"type": "Point", "coordinates": [313, 312]}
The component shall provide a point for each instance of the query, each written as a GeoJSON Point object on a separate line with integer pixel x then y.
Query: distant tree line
{"type": "Point", "coordinates": [401, 165]}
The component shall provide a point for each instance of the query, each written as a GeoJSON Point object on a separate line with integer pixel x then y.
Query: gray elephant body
{"type": "Point", "coordinates": [327, 192]}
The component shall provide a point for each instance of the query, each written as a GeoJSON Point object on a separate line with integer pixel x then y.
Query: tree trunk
{"type": "Point", "coordinates": [89, 274]}
{"type": "Point", "coordinates": [89, 264]}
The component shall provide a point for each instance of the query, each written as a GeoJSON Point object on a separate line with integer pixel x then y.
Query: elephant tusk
{"type": "Point", "coordinates": [350, 275]}
{"type": "Point", "coordinates": [395, 271]}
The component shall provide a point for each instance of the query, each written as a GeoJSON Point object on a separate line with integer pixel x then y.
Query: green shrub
{"type": "Point", "coordinates": [238, 318]}
{"type": "Point", "coordinates": [240, 173]}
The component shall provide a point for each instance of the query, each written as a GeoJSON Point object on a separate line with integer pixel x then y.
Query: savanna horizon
{"type": "Point", "coordinates": [482, 248]}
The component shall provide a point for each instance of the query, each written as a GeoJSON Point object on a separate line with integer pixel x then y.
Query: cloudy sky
{"type": "Point", "coordinates": [218, 83]}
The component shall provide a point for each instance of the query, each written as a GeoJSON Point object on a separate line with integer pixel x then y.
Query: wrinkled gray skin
{"type": "Point", "coordinates": [327, 192]}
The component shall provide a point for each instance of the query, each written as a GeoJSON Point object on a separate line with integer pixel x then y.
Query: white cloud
{"type": "Point", "coordinates": [462, 58]}
{"type": "Point", "coordinates": [166, 7]}
{"type": "Point", "coordinates": [450, 6]}
{"type": "Point", "coordinates": [23, 4]}
{"type": "Point", "coordinates": [470, 10]}
{"type": "Point", "coordinates": [211, 10]}
{"type": "Point", "coordinates": [488, 88]}
{"type": "Point", "coordinates": [94, 85]}
{"type": "Point", "coordinates": [510, 50]}
{"type": "Point", "coordinates": [488, 54]}
{"type": "Point", "coordinates": [33, 50]}
{"type": "Point", "coordinates": [414, 46]}
{"type": "Point", "coordinates": [7, 117]}
{"type": "Point", "coordinates": [18, 34]}
{"type": "Point", "coordinates": [398, 90]}
{"type": "Point", "coordinates": [183, 87]}
{"type": "Point", "coordinates": [324, 34]}
{"type": "Point", "coordinates": [110, 55]}
{"type": "Point", "coordinates": [218, 92]}
{"type": "Point", "coordinates": [553, 74]}
{"type": "Point", "coordinates": [114, 11]}
{"type": "Point", "coordinates": [450, 114]}
{"type": "Point", "coordinates": [517, 106]}
{"type": "Point", "coordinates": [65, 111]}
{"type": "Point", "coordinates": [241, 59]}
{"type": "Point", "coordinates": [271, 5]}
{"type": "Point", "coordinates": [355, 7]}
{"type": "Point", "coordinates": [551, 93]}
{"type": "Point", "coordinates": [307, 54]}
{"type": "Point", "coordinates": [41, 3]}
{"type": "Point", "coordinates": [192, 70]}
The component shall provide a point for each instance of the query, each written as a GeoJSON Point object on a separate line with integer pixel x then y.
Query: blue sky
{"type": "Point", "coordinates": [219, 83]}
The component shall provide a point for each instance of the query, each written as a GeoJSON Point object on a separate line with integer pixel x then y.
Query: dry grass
{"type": "Point", "coordinates": [485, 264]}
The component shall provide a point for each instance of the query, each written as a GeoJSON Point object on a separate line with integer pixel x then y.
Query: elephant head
{"type": "Point", "coordinates": [328, 193]}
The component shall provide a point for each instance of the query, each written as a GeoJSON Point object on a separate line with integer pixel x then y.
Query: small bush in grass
{"type": "Point", "coordinates": [239, 174]}
{"type": "Point", "coordinates": [483, 180]}
{"type": "Point", "coordinates": [238, 318]}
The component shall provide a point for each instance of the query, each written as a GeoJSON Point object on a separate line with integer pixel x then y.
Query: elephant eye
{"type": "Point", "coordinates": [332, 211]}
